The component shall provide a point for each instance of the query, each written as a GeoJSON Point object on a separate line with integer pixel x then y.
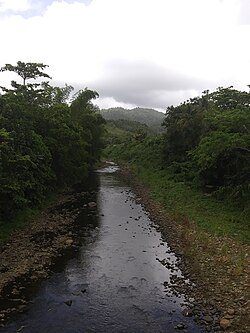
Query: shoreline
{"type": "Point", "coordinates": [219, 285]}
{"type": "Point", "coordinates": [28, 255]}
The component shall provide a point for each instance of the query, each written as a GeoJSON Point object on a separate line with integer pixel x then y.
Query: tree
{"type": "Point", "coordinates": [56, 95]}
{"type": "Point", "coordinates": [184, 127]}
{"type": "Point", "coordinates": [44, 142]}
{"type": "Point", "coordinates": [209, 136]}
{"type": "Point", "coordinates": [86, 115]}
{"type": "Point", "coordinates": [29, 70]}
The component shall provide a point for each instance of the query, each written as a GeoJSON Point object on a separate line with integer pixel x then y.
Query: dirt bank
{"type": "Point", "coordinates": [30, 252]}
{"type": "Point", "coordinates": [218, 268]}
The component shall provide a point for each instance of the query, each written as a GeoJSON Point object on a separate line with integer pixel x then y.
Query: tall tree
{"type": "Point", "coordinates": [28, 70]}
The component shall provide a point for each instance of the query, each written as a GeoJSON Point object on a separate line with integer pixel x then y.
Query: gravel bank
{"type": "Point", "coordinates": [218, 268]}
{"type": "Point", "coordinates": [27, 257]}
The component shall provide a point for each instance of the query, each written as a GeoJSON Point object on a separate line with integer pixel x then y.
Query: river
{"type": "Point", "coordinates": [116, 281]}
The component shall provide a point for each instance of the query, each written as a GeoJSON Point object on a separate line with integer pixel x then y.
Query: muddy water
{"type": "Point", "coordinates": [116, 281]}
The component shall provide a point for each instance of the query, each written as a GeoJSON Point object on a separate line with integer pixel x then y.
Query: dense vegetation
{"type": "Point", "coordinates": [121, 130]}
{"type": "Point", "coordinates": [44, 141]}
{"type": "Point", "coordinates": [200, 165]}
{"type": "Point", "coordinates": [149, 117]}
{"type": "Point", "coordinates": [209, 139]}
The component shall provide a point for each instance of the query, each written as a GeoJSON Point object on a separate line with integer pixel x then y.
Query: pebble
{"type": "Point", "coordinates": [231, 312]}
{"type": "Point", "coordinates": [69, 242]}
{"type": "Point", "coordinates": [92, 204]}
{"type": "Point", "coordinates": [208, 319]}
{"type": "Point", "coordinates": [224, 323]}
{"type": "Point", "coordinates": [187, 312]}
{"type": "Point", "coordinates": [180, 326]}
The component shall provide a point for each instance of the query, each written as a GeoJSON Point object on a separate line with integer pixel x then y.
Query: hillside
{"type": "Point", "coordinates": [152, 118]}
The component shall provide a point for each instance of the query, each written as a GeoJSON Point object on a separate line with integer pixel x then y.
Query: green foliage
{"type": "Point", "coordinates": [184, 126]}
{"type": "Point", "coordinates": [200, 166]}
{"type": "Point", "coordinates": [179, 198]}
{"type": "Point", "coordinates": [129, 125]}
{"type": "Point", "coordinates": [121, 130]}
{"type": "Point", "coordinates": [25, 170]}
{"type": "Point", "coordinates": [211, 134]}
{"type": "Point", "coordinates": [26, 71]}
{"type": "Point", "coordinates": [55, 95]}
{"type": "Point", "coordinates": [152, 118]}
{"type": "Point", "coordinates": [87, 116]}
{"type": "Point", "coordinates": [44, 142]}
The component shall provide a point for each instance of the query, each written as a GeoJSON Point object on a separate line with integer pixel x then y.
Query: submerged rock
{"type": "Point", "coordinates": [69, 302]}
{"type": "Point", "coordinates": [92, 204]}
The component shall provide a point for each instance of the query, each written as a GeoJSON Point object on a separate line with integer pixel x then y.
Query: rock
{"type": "Point", "coordinates": [208, 319]}
{"type": "Point", "coordinates": [92, 204]}
{"type": "Point", "coordinates": [15, 292]}
{"type": "Point", "coordinates": [22, 308]}
{"type": "Point", "coordinates": [228, 316]}
{"type": "Point", "coordinates": [180, 326]}
{"type": "Point", "coordinates": [231, 312]}
{"type": "Point", "coordinates": [69, 302]}
{"type": "Point", "coordinates": [187, 312]}
{"type": "Point", "coordinates": [225, 323]}
{"type": "Point", "coordinates": [69, 242]}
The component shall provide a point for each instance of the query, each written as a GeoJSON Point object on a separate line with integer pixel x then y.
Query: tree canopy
{"type": "Point", "coordinates": [211, 134]}
{"type": "Point", "coordinates": [44, 141]}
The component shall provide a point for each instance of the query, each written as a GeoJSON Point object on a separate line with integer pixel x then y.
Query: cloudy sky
{"type": "Point", "coordinates": [150, 53]}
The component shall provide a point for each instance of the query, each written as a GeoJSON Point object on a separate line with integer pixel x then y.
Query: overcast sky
{"type": "Point", "coordinates": [149, 53]}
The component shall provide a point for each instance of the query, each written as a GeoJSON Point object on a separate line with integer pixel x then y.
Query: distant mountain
{"type": "Point", "coordinates": [152, 118]}
{"type": "Point", "coordinates": [129, 125]}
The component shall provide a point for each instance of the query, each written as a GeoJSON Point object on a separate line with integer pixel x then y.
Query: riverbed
{"type": "Point", "coordinates": [120, 278]}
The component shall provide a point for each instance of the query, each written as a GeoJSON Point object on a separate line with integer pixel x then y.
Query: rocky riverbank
{"type": "Point", "coordinates": [218, 269]}
{"type": "Point", "coordinates": [26, 259]}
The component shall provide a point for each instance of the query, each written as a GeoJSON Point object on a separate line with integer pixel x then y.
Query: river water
{"type": "Point", "coordinates": [116, 282]}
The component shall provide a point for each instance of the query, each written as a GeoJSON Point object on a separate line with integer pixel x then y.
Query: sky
{"type": "Point", "coordinates": [145, 53]}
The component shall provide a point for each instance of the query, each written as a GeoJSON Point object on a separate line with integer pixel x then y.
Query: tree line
{"type": "Point", "coordinates": [45, 142]}
{"type": "Point", "coordinates": [207, 139]}
{"type": "Point", "coordinates": [205, 143]}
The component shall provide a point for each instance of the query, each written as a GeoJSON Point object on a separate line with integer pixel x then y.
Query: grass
{"type": "Point", "coordinates": [179, 198]}
{"type": "Point", "coordinates": [209, 214]}
{"type": "Point", "coordinates": [23, 218]}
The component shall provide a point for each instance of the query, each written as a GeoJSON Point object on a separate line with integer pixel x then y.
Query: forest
{"type": "Point", "coordinates": [148, 117]}
{"type": "Point", "coordinates": [201, 162]}
{"type": "Point", "coordinates": [207, 141]}
{"type": "Point", "coordinates": [46, 142]}
{"type": "Point", "coordinates": [50, 140]}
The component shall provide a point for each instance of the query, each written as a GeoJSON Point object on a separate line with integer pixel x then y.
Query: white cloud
{"type": "Point", "coordinates": [14, 5]}
{"type": "Point", "coordinates": [107, 102]}
{"type": "Point", "coordinates": [133, 50]}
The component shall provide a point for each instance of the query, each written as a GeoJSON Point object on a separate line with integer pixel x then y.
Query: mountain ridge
{"type": "Point", "coordinates": [152, 118]}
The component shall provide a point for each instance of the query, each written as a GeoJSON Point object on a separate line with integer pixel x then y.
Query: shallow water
{"type": "Point", "coordinates": [116, 282]}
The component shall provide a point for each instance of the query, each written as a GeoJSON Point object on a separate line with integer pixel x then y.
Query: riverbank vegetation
{"type": "Point", "coordinates": [199, 168]}
{"type": "Point", "coordinates": [46, 142]}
